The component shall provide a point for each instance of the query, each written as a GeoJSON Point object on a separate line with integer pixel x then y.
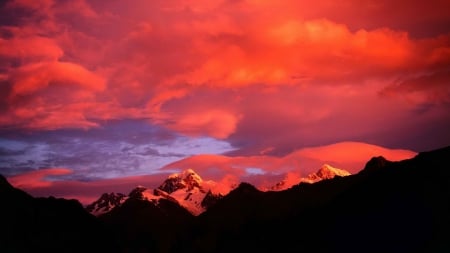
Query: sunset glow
{"type": "Point", "coordinates": [102, 96]}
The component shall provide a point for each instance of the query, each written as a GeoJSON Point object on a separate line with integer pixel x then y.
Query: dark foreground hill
{"type": "Point", "coordinates": [387, 207]}
{"type": "Point", "coordinates": [48, 225]}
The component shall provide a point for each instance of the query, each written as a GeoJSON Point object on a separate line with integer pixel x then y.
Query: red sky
{"type": "Point", "coordinates": [124, 89]}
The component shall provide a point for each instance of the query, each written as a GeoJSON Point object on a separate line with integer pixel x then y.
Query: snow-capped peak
{"type": "Point", "coordinates": [185, 188]}
{"type": "Point", "coordinates": [191, 177]}
{"type": "Point", "coordinates": [326, 172]}
{"type": "Point", "coordinates": [186, 179]}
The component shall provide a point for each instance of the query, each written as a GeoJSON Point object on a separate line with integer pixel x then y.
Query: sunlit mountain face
{"type": "Point", "coordinates": [104, 96]}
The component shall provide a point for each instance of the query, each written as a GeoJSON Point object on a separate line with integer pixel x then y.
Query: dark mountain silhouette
{"type": "Point", "coordinates": [210, 199]}
{"type": "Point", "coordinates": [48, 225]}
{"type": "Point", "coordinates": [387, 207]}
{"type": "Point", "coordinates": [145, 226]}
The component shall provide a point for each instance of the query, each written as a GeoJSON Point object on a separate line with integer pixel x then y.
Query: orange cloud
{"type": "Point", "coordinates": [31, 78]}
{"type": "Point", "coordinates": [274, 53]}
{"type": "Point", "coordinates": [215, 123]}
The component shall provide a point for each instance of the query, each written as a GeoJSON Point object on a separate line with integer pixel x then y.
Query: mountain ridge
{"type": "Point", "coordinates": [190, 191]}
{"type": "Point", "coordinates": [388, 207]}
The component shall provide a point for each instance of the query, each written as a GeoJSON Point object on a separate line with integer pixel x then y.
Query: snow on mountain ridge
{"type": "Point", "coordinates": [325, 172]}
{"type": "Point", "coordinates": [186, 179]}
{"type": "Point", "coordinates": [186, 188]}
{"type": "Point", "coordinates": [190, 191]}
{"type": "Point", "coordinates": [106, 203]}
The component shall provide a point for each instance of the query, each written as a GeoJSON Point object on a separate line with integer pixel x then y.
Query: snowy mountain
{"type": "Point", "coordinates": [325, 172]}
{"type": "Point", "coordinates": [188, 180]}
{"type": "Point", "coordinates": [190, 191]}
{"type": "Point", "coordinates": [187, 189]}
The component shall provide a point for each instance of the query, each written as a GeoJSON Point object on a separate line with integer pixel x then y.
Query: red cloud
{"type": "Point", "coordinates": [26, 48]}
{"type": "Point", "coordinates": [151, 59]}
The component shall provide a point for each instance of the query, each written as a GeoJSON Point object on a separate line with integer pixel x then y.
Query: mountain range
{"type": "Point", "coordinates": [186, 189]}
{"type": "Point", "coordinates": [191, 192]}
{"type": "Point", "coordinates": [388, 206]}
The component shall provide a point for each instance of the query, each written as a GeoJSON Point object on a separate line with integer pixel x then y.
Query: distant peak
{"type": "Point", "coordinates": [186, 179]}
{"type": "Point", "coordinates": [326, 172]}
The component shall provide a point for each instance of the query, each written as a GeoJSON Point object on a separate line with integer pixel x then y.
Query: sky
{"type": "Point", "coordinates": [103, 95]}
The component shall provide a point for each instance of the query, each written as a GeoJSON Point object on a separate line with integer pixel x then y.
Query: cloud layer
{"type": "Point", "coordinates": [203, 69]}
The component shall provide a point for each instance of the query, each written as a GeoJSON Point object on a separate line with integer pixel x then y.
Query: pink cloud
{"type": "Point", "coordinates": [40, 5]}
{"type": "Point", "coordinates": [37, 178]}
{"type": "Point", "coordinates": [352, 156]}
{"type": "Point", "coordinates": [25, 48]}
{"type": "Point", "coordinates": [230, 69]}
{"type": "Point", "coordinates": [215, 123]}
